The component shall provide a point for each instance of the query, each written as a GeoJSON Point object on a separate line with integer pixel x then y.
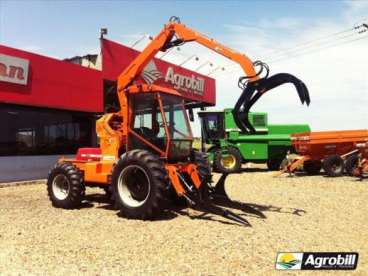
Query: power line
{"type": "Point", "coordinates": [359, 29]}
{"type": "Point", "coordinates": [311, 46]}
{"type": "Point", "coordinates": [306, 43]}
{"type": "Point", "coordinates": [319, 49]}
{"type": "Point", "coordinates": [309, 52]}
{"type": "Point", "coordinates": [326, 39]}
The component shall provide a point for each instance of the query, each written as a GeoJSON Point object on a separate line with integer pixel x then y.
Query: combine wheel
{"type": "Point", "coordinates": [274, 164]}
{"type": "Point", "coordinates": [229, 162]}
{"type": "Point", "coordinates": [333, 165]}
{"type": "Point", "coordinates": [312, 167]}
{"type": "Point", "coordinates": [140, 185]}
{"type": "Point", "coordinates": [351, 164]}
{"type": "Point", "coordinates": [65, 186]}
{"type": "Point", "coordinates": [200, 159]}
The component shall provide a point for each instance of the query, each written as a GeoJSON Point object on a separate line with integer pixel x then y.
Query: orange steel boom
{"type": "Point", "coordinates": [161, 43]}
{"type": "Point", "coordinates": [174, 33]}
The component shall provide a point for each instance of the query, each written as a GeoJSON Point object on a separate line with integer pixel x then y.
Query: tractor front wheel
{"type": "Point", "coordinates": [229, 162]}
{"type": "Point", "coordinates": [65, 186]}
{"type": "Point", "coordinates": [333, 165]}
{"type": "Point", "coordinates": [140, 185]}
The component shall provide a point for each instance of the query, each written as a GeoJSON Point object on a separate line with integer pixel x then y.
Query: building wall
{"type": "Point", "coordinates": [36, 124]}
{"type": "Point", "coordinates": [52, 83]}
{"type": "Point", "coordinates": [19, 168]}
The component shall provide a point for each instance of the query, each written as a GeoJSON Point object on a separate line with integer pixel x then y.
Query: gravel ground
{"type": "Point", "coordinates": [285, 214]}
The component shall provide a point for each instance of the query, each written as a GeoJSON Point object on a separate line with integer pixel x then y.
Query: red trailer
{"type": "Point", "coordinates": [335, 151]}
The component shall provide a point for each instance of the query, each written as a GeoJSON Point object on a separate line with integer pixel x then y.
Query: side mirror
{"type": "Point", "coordinates": [191, 115]}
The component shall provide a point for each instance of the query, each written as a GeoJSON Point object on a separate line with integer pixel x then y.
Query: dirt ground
{"type": "Point", "coordinates": [306, 213]}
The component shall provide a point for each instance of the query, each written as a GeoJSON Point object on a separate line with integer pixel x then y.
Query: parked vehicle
{"type": "Point", "coordinates": [334, 151]}
{"type": "Point", "coordinates": [145, 154]}
{"type": "Point", "coordinates": [229, 147]}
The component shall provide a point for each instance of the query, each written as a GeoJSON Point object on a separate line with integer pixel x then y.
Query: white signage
{"type": "Point", "coordinates": [13, 69]}
{"type": "Point", "coordinates": [184, 83]}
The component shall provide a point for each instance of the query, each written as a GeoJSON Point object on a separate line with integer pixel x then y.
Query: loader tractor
{"type": "Point", "coordinates": [145, 158]}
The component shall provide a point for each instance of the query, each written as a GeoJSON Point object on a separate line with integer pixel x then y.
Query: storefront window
{"type": "Point", "coordinates": [39, 131]}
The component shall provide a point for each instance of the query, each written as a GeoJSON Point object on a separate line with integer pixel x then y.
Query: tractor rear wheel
{"type": "Point", "coordinates": [333, 165]}
{"type": "Point", "coordinates": [229, 162]}
{"type": "Point", "coordinates": [140, 185]}
{"type": "Point", "coordinates": [65, 186]}
{"type": "Point", "coordinates": [312, 167]}
{"type": "Point", "coordinates": [351, 164]}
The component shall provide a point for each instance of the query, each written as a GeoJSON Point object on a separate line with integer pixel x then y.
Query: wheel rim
{"type": "Point", "coordinates": [61, 187]}
{"type": "Point", "coordinates": [228, 161]}
{"type": "Point", "coordinates": [134, 186]}
{"type": "Point", "coordinates": [336, 167]}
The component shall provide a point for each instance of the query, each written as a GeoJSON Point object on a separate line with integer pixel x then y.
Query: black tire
{"type": "Point", "coordinates": [200, 159]}
{"type": "Point", "coordinates": [274, 164]}
{"type": "Point", "coordinates": [108, 192]}
{"type": "Point", "coordinates": [65, 186]}
{"type": "Point", "coordinates": [333, 165]}
{"type": "Point", "coordinates": [351, 163]}
{"type": "Point", "coordinates": [312, 167]}
{"type": "Point", "coordinates": [221, 164]}
{"type": "Point", "coordinates": [140, 185]}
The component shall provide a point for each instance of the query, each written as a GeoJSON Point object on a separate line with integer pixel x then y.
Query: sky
{"type": "Point", "coordinates": [337, 77]}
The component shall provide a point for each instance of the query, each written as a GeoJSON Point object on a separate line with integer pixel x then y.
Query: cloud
{"type": "Point", "coordinates": [337, 77]}
{"type": "Point", "coordinates": [355, 10]}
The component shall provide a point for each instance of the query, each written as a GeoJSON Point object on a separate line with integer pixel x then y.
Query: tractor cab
{"type": "Point", "coordinates": [160, 124]}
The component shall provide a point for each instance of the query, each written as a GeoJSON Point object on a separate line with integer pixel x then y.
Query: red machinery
{"type": "Point", "coordinates": [335, 151]}
{"type": "Point", "coordinates": [360, 162]}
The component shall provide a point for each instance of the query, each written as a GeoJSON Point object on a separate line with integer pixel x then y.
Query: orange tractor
{"type": "Point", "coordinates": [145, 154]}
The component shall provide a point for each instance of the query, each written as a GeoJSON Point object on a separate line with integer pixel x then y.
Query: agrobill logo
{"type": "Point", "coordinates": [289, 260]}
{"type": "Point", "coordinates": [150, 73]}
{"type": "Point", "coordinates": [317, 260]}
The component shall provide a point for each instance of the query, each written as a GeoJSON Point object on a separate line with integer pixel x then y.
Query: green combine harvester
{"type": "Point", "coordinates": [228, 147]}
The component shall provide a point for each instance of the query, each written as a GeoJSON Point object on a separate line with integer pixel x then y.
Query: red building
{"type": "Point", "coordinates": [48, 107]}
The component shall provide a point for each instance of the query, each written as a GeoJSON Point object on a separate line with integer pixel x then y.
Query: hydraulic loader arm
{"type": "Point", "coordinates": [164, 41]}
{"type": "Point", "coordinates": [174, 34]}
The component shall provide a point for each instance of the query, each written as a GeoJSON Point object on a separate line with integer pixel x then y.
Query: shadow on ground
{"type": "Point", "coordinates": [221, 209]}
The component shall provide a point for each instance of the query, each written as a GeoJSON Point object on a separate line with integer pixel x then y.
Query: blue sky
{"type": "Point", "coordinates": [65, 28]}
{"type": "Point", "coordinates": [337, 78]}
